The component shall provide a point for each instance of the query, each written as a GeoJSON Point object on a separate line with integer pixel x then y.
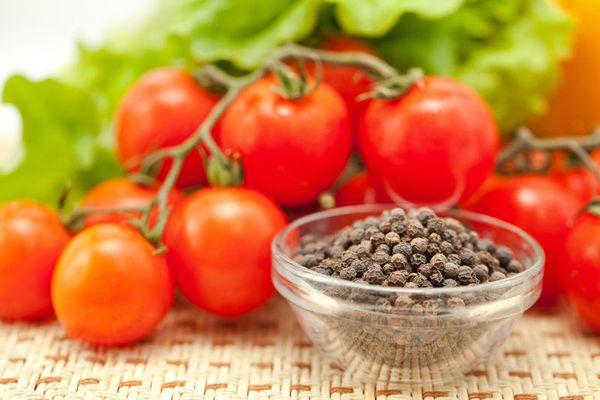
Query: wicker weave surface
{"type": "Point", "coordinates": [266, 356]}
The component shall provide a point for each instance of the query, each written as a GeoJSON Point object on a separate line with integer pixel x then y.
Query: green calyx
{"type": "Point", "coordinates": [394, 86]}
{"type": "Point", "coordinates": [294, 83]}
{"type": "Point", "coordinates": [594, 207]}
{"type": "Point", "coordinates": [225, 171]}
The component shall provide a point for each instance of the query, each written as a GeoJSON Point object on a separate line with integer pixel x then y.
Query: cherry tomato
{"type": "Point", "coordinates": [578, 181]}
{"type": "Point", "coordinates": [541, 208]}
{"type": "Point", "coordinates": [109, 287]}
{"type": "Point", "coordinates": [580, 269]}
{"type": "Point", "coordinates": [219, 242]}
{"type": "Point", "coordinates": [435, 144]}
{"type": "Point", "coordinates": [359, 190]}
{"type": "Point", "coordinates": [350, 82]}
{"type": "Point", "coordinates": [291, 150]}
{"type": "Point", "coordinates": [162, 109]}
{"type": "Point", "coordinates": [32, 237]}
{"type": "Point", "coordinates": [122, 193]}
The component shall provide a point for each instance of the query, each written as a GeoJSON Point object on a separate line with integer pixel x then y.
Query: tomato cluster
{"type": "Point", "coordinates": [434, 144]}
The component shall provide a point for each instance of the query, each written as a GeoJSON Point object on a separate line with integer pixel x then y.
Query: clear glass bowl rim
{"type": "Point", "coordinates": [291, 268]}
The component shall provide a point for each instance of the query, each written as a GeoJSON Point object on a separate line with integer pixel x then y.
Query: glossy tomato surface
{"type": "Point", "coordinates": [110, 287]}
{"type": "Point", "coordinates": [435, 144]}
{"type": "Point", "coordinates": [578, 181]}
{"type": "Point", "coordinates": [541, 208]}
{"type": "Point", "coordinates": [219, 242]}
{"type": "Point", "coordinates": [291, 150]}
{"type": "Point", "coordinates": [349, 82]}
{"type": "Point", "coordinates": [359, 190]}
{"type": "Point", "coordinates": [32, 238]}
{"type": "Point", "coordinates": [162, 109]}
{"type": "Point", "coordinates": [580, 271]}
{"type": "Point", "coordinates": [122, 193]}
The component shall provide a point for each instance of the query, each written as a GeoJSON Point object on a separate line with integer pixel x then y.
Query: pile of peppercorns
{"type": "Point", "coordinates": [412, 250]}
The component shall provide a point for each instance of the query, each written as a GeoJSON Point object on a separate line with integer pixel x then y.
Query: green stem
{"type": "Point", "coordinates": [77, 217]}
{"type": "Point", "coordinates": [526, 142]}
{"type": "Point", "coordinates": [214, 77]}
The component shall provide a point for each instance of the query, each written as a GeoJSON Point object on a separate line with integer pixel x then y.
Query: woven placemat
{"type": "Point", "coordinates": [266, 356]}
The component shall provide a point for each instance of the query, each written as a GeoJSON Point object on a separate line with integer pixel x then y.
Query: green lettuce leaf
{"type": "Point", "coordinates": [509, 51]}
{"type": "Point", "coordinates": [62, 144]}
{"type": "Point", "coordinates": [376, 17]}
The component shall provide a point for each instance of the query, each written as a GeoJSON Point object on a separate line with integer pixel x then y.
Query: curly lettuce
{"type": "Point", "coordinates": [508, 50]}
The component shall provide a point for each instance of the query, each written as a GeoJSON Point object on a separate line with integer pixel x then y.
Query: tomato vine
{"type": "Point", "coordinates": [224, 168]}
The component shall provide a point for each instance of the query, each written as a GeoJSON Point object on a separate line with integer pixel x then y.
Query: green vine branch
{"type": "Point", "coordinates": [525, 144]}
{"type": "Point", "coordinates": [225, 169]}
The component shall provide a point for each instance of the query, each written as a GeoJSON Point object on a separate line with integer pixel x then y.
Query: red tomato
{"type": "Point", "coordinates": [122, 193]}
{"type": "Point", "coordinates": [290, 149]}
{"type": "Point", "coordinates": [435, 144]}
{"type": "Point", "coordinates": [32, 237]}
{"type": "Point", "coordinates": [109, 287]}
{"type": "Point", "coordinates": [359, 190]}
{"type": "Point", "coordinates": [162, 109]}
{"type": "Point", "coordinates": [580, 269]}
{"type": "Point", "coordinates": [541, 208]}
{"type": "Point", "coordinates": [350, 82]}
{"type": "Point", "coordinates": [219, 242]}
{"type": "Point", "coordinates": [579, 181]}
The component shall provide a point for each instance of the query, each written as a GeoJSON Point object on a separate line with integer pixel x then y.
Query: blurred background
{"type": "Point", "coordinates": [39, 37]}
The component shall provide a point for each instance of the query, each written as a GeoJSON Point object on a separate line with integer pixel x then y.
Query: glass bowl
{"type": "Point", "coordinates": [407, 335]}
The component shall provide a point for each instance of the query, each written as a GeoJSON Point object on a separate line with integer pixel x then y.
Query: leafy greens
{"type": "Point", "coordinates": [508, 50]}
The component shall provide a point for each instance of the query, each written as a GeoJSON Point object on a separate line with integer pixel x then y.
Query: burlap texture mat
{"type": "Point", "coordinates": [266, 356]}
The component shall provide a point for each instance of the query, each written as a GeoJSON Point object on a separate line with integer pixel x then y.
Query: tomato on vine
{"type": "Point", "coordinates": [359, 190]}
{"type": "Point", "coordinates": [434, 144]}
{"type": "Point", "coordinates": [32, 238]}
{"type": "Point", "coordinates": [163, 108]}
{"type": "Point", "coordinates": [349, 82]}
{"type": "Point", "coordinates": [543, 209]}
{"type": "Point", "coordinates": [219, 242]}
{"type": "Point", "coordinates": [578, 181]}
{"type": "Point", "coordinates": [110, 287]}
{"type": "Point", "coordinates": [291, 149]}
{"type": "Point", "coordinates": [580, 268]}
{"type": "Point", "coordinates": [122, 193]}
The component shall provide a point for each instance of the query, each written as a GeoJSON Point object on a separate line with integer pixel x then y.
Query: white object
{"type": "Point", "coordinates": [38, 37]}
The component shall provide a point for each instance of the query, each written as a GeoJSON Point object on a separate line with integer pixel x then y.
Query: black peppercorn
{"type": "Point", "coordinates": [417, 249]}
{"type": "Point", "coordinates": [425, 214]}
{"type": "Point", "coordinates": [482, 272]}
{"type": "Point", "coordinates": [380, 258]}
{"type": "Point", "coordinates": [417, 259]}
{"type": "Point", "coordinates": [403, 248]}
{"type": "Point", "coordinates": [383, 248]}
{"type": "Point", "coordinates": [425, 269]}
{"type": "Point", "coordinates": [515, 266]}
{"type": "Point", "coordinates": [419, 245]}
{"type": "Point", "coordinates": [438, 261]}
{"type": "Point", "coordinates": [392, 238]}
{"type": "Point", "coordinates": [397, 278]}
{"type": "Point", "coordinates": [348, 273]}
{"type": "Point", "coordinates": [450, 270]}
{"type": "Point", "coordinates": [357, 235]}
{"type": "Point", "coordinates": [449, 283]}
{"type": "Point", "coordinates": [466, 275]}
{"type": "Point", "coordinates": [436, 278]}
{"type": "Point", "coordinates": [374, 275]}
{"type": "Point", "coordinates": [496, 276]}
{"type": "Point", "coordinates": [360, 266]}
{"type": "Point", "coordinates": [504, 255]}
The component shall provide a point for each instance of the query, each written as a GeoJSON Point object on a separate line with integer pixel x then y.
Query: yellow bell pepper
{"type": "Point", "coordinates": [575, 106]}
